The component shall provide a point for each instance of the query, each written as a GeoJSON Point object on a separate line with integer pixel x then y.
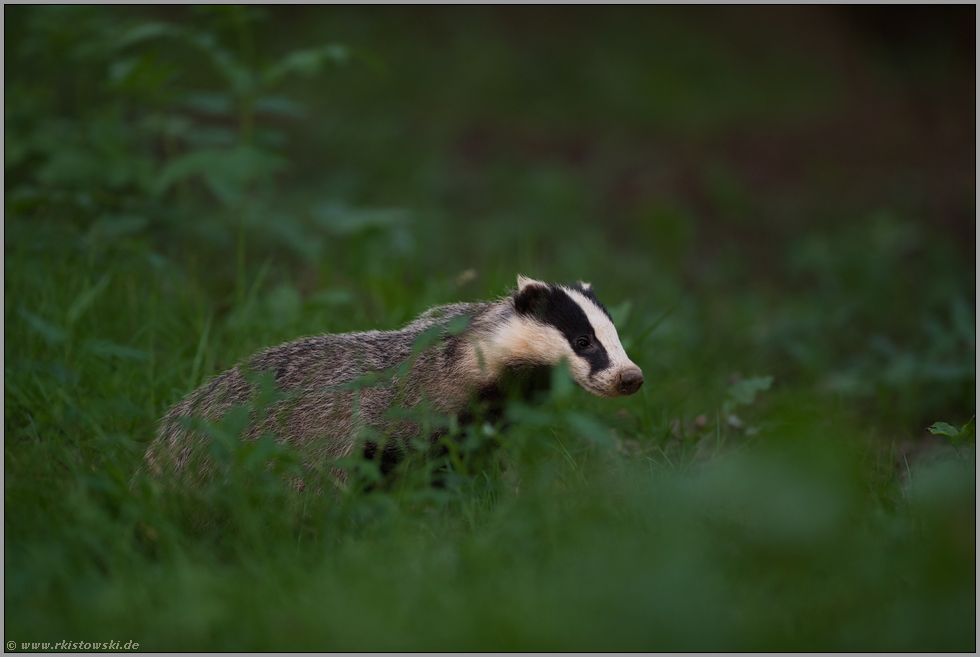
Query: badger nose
{"type": "Point", "coordinates": [629, 381]}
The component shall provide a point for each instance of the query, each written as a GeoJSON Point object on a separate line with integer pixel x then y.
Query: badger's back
{"type": "Point", "coordinates": [325, 390]}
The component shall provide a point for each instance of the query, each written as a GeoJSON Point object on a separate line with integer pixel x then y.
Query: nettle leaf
{"type": "Point", "coordinates": [227, 172]}
{"type": "Point", "coordinates": [146, 31]}
{"type": "Point", "coordinates": [744, 392]}
{"type": "Point", "coordinates": [211, 136]}
{"type": "Point", "coordinates": [169, 125]}
{"type": "Point", "coordinates": [307, 61]}
{"type": "Point", "coordinates": [72, 167]}
{"type": "Point", "coordinates": [213, 104]}
{"type": "Point", "coordinates": [120, 70]}
{"type": "Point", "coordinates": [291, 232]}
{"type": "Point", "coordinates": [279, 106]}
{"type": "Point", "coordinates": [238, 76]}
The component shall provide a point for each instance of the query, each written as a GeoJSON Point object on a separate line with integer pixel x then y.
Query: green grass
{"type": "Point", "coordinates": [168, 213]}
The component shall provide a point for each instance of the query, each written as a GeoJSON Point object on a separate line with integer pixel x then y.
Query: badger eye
{"type": "Point", "coordinates": [583, 342]}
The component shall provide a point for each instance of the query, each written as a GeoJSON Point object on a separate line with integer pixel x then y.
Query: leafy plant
{"type": "Point", "coordinates": [967, 433]}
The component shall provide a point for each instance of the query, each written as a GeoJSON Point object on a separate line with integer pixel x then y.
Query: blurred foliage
{"type": "Point", "coordinates": [783, 192]}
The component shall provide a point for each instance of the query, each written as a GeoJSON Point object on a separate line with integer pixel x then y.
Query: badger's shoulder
{"type": "Point", "coordinates": [445, 313]}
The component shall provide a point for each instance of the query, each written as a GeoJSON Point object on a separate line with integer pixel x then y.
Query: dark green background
{"type": "Point", "coordinates": [754, 192]}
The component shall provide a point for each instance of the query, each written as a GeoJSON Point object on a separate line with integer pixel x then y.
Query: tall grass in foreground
{"type": "Point", "coordinates": [596, 529]}
{"type": "Point", "coordinates": [754, 495]}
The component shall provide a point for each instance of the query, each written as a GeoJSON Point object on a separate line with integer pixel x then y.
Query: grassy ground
{"type": "Point", "coordinates": [784, 193]}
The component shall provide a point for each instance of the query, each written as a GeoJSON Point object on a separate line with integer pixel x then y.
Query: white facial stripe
{"type": "Point", "coordinates": [522, 339]}
{"type": "Point", "coordinates": [525, 339]}
{"type": "Point", "coordinates": [604, 331]}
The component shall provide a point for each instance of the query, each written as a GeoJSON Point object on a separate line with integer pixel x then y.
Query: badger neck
{"type": "Point", "coordinates": [505, 345]}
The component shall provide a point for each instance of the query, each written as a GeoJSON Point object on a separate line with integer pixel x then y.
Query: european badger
{"type": "Point", "coordinates": [446, 358]}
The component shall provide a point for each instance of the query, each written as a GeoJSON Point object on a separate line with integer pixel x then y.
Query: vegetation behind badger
{"type": "Point", "coordinates": [333, 393]}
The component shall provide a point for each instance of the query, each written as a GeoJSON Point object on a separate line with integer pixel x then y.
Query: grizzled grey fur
{"type": "Point", "coordinates": [322, 409]}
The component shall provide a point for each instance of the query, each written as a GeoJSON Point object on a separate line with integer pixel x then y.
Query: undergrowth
{"type": "Point", "coordinates": [187, 186]}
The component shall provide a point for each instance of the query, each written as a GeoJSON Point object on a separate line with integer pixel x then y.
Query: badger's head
{"type": "Point", "coordinates": [555, 322]}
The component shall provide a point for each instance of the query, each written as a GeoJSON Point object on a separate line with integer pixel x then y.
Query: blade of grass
{"type": "Point", "coordinates": [199, 356]}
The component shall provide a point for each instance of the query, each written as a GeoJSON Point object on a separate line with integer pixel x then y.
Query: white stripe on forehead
{"type": "Point", "coordinates": [603, 326]}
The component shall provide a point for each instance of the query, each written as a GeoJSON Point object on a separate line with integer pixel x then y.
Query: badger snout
{"type": "Point", "coordinates": [629, 381]}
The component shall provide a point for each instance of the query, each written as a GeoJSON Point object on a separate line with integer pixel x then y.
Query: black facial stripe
{"type": "Point", "coordinates": [596, 356]}
{"type": "Point", "coordinates": [590, 295]}
{"type": "Point", "coordinates": [558, 309]}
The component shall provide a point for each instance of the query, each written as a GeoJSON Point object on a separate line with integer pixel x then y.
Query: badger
{"type": "Point", "coordinates": [334, 394]}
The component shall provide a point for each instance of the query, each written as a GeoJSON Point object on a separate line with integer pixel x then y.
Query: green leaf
{"type": "Point", "coordinates": [239, 77]}
{"type": "Point", "coordinates": [119, 71]}
{"type": "Point", "coordinates": [969, 431]}
{"type": "Point", "coordinates": [71, 166]}
{"type": "Point", "coordinates": [279, 106]}
{"type": "Point", "coordinates": [943, 429]}
{"type": "Point", "coordinates": [745, 391]}
{"type": "Point", "coordinates": [145, 31]}
{"type": "Point", "coordinates": [213, 104]}
{"type": "Point", "coordinates": [227, 172]}
{"type": "Point", "coordinates": [458, 325]}
{"type": "Point", "coordinates": [185, 166]}
{"type": "Point", "coordinates": [307, 61]}
{"type": "Point", "coordinates": [211, 137]}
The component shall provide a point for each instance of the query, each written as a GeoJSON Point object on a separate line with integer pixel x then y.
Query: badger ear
{"type": "Point", "coordinates": [585, 286]}
{"type": "Point", "coordinates": [531, 297]}
{"type": "Point", "coordinates": [524, 281]}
